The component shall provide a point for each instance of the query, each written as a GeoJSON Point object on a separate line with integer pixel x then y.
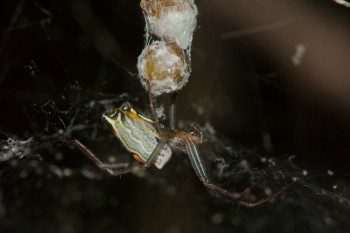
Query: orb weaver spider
{"type": "Point", "coordinates": [152, 144]}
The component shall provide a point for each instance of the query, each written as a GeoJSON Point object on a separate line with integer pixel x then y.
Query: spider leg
{"type": "Point", "coordinates": [156, 152]}
{"type": "Point", "coordinates": [261, 201]}
{"type": "Point", "coordinates": [152, 106]}
{"type": "Point", "coordinates": [172, 112]}
{"type": "Point", "coordinates": [196, 162]}
{"type": "Point", "coordinates": [250, 187]}
{"type": "Point", "coordinates": [198, 167]}
{"type": "Point", "coordinates": [232, 196]}
{"type": "Point", "coordinates": [88, 153]}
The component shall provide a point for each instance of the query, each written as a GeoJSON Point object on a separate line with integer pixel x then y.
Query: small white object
{"type": "Point", "coordinates": [272, 162]}
{"type": "Point", "coordinates": [342, 2]}
{"type": "Point", "coordinates": [299, 54]}
{"type": "Point", "coordinates": [172, 20]}
{"type": "Point", "coordinates": [164, 67]}
{"type": "Point", "coordinates": [305, 172]}
{"type": "Point", "coordinates": [330, 173]}
{"type": "Point", "coordinates": [164, 157]}
{"type": "Point", "coordinates": [268, 191]}
{"type": "Point", "coordinates": [160, 112]}
{"type": "Point", "coordinates": [67, 172]}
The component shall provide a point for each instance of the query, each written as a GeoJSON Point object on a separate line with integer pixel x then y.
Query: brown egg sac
{"type": "Point", "coordinates": [154, 8]}
{"type": "Point", "coordinates": [171, 20]}
{"type": "Point", "coordinates": [165, 66]}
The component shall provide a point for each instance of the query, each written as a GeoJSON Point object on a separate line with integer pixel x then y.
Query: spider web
{"type": "Point", "coordinates": [47, 185]}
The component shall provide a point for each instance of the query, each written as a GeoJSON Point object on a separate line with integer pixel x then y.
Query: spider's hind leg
{"type": "Point", "coordinates": [219, 192]}
{"type": "Point", "coordinates": [196, 162]}
{"type": "Point", "coordinates": [236, 197]}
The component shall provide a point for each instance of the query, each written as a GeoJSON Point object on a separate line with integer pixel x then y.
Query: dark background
{"type": "Point", "coordinates": [69, 60]}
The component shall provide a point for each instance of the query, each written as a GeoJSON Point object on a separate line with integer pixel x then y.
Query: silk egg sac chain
{"type": "Point", "coordinates": [164, 64]}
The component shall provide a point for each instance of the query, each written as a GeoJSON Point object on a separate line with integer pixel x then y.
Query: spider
{"type": "Point", "coordinates": [153, 144]}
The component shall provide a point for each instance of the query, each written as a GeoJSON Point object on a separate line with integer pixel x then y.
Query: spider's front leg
{"type": "Point", "coordinates": [199, 169]}
{"type": "Point", "coordinates": [88, 153]}
{"type": "Point", "coordinates": [156, 152]}
{"type": "Point", "coordinates": [123, 169]}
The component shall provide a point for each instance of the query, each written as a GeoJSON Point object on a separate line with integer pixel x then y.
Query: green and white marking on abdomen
{"type": "Point", "coordinates": [139, 137]}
